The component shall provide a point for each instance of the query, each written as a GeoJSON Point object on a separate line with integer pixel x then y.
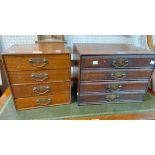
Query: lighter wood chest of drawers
{"type": "Point", "coordinates": [112, 73]}
{"type": "Point", "coordinates": [39, 75]}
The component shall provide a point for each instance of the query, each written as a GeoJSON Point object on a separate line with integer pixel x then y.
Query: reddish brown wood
{"type": "Point", "coordinates": [90, 87]}
{"type": "Point", "coordinates": [100, 75]}
{"type": "Point", "coordinates": [97, 63]}
{"type": "Point", "coordinates": [27, 90]}
{"type": "Point", "coordinates": [28, 103]}
{"type": "Point", "coordinates": [26, 76]}
{"type": "Point", "coordinates": [107, 61]}
{"type": "Point", "coordinates": [101, 98]}
{"type": "Point", "coordinates": [89, 49]}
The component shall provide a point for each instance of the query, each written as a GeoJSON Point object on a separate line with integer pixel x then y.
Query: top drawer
{"type": "Point", "coordinates": [118, 61]}
{"type": "Point", "coordinates": [36, 62]}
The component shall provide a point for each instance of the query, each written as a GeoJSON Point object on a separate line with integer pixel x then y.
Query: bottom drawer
{"type": "Point", "coordinates": [111, 98]}
{"type": "Point", "coordinates": [34, 102]}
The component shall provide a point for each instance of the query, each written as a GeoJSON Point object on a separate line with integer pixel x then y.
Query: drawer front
{"type": "Point", "coordinates": [95, 87]}
{"type": "Point", "coordinates": [117, 61]}
{"type": "Point", "coordinates": [36, 62]}
{"type": "Point", "coordinates": [34, 102]}
{"type": "Point", "coordinates": [115, 74]}
{"type": "Point", "coordinates": [111, 98]}
{"type": "Point", "coordinates": [39, 76]}
{"type": "Point", "coordinates": [30, 90]}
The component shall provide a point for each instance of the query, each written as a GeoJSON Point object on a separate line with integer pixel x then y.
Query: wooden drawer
{"type": "Point", "coordinates": [111, 98]}
{"type": "Point", "coordinates": [36, 62]}
{"type": "Point", "coordinates": [115, 74]}
{"type": "Point", "coordinates": [117, 61]}
{"type": "Point", "coordinates": [104, 87]}
{"type": "Point", "coordinates": [50, 100]}
{"type": "Point", "coordinates": [29, 90]}
{"type": "Point", "coordinates": [39, 76]}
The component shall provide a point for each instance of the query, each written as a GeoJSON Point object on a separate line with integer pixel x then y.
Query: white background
{"type": "Point", "coordinates": [68, 17]}
{"type": "Point", "coordinates": [139, 40]}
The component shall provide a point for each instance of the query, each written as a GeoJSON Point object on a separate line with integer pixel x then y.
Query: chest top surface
{"type": "Point", "coordinates": [108, 49]}
{"type": "Point", "coordinates": [35, 49]}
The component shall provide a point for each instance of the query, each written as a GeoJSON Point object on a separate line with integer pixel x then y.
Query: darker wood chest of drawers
{"type": "Point", "coordinates": [112, 73]}
{"type": "Point", "coordinates": [39, 75]}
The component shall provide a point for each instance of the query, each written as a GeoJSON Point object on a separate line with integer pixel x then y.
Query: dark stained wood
{"type": "Point", "coordinates": [31, 102]}
{"type": "Point", "coordinates": [21, 63]}
{"type": "Point", "coordinates": [26, 76]}
{"type": "Point", "coordinates": [27, 90]}
{"type": "Point", "coordinates": [109, 49]}
{"type": "Point", "coordinates": [91, 87]}
{"type": "Point", "coordinates": [140, 61]}
{"type": "Point", "coordinates": [99, 64]}
{"type": "Point", "coordinates": [100, 98]}
{"type": "Point", "coordinates": [100, 75]}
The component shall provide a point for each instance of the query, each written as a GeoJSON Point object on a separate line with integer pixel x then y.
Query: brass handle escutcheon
{"type": "Point", "coordinates": [120, 63]}
{"type": "Point", "coordinates": [38, 62]}
{"type": "Point", "coordinates": [43, 101]}
{"type": "Point", "coordinates": [39, 77]}
{"type": "Point", "coordinates": [41, 90]}
{"type": "Point", "coordinates": [111, 97]}
{"type": "Point", "coordinates": [118, 75]}
{"type": "Point", "coordinates": [114, 87]}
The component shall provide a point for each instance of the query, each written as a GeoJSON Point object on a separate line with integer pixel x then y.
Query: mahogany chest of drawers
{"type": "Point", "coordinates": [39, 75]}
{"type": "Point", "coordinates": [112, 73]}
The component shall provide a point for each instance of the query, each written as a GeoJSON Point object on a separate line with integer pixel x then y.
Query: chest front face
{"type": "Point", "coordinates": [112, 76]}
{"type": "Point", "coordinates": [38, 79]}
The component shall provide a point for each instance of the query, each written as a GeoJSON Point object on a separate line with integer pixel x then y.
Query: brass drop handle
{"type": "Point", "coordinates": [43, 101]}
{"type": "Point", "coordinates": [39, 77]}
{"type": "Point", "coordinates": [38, 62]}
{"type": "Point", "coordinates": [120, 63]}
{"type": "Point", "coordinates": [41, 90]}
{"type": "Point", "coordinates": [111, 97]}
{"type": "Point", "coordinates": [118, 75]}
{"type": "Point", "coordinates": [114, 87]}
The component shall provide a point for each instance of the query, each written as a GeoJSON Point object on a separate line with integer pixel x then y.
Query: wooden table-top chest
{"type": "Point", "coordinates": [111, 73]}
{"type": "Point", "coordinates": [39, 75]}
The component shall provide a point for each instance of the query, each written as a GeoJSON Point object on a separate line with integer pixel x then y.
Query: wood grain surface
{"type": "Point", "coordinates": [26, 76]}
{"type": "Point", "coordinates": [38, 73]}
{"type": "Point", "coordinates": [107, 61]}
{"type": "Point", "coordinates": [112, 68]}
{"type": "Point", "coordinates": [28, 103]}
{"type": "Point", "coordinates": [90, 87]}
{"type": "Point", "coordinates": [21, 63]}
{"type": "Point", "coordinates": [101, 49]}
{"type": "Point", "coordinates": [27, 90]}
{"type": "Point", "coordinates": [102, 74]}
{"type": "Point", "coordinates": [101, 98]}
